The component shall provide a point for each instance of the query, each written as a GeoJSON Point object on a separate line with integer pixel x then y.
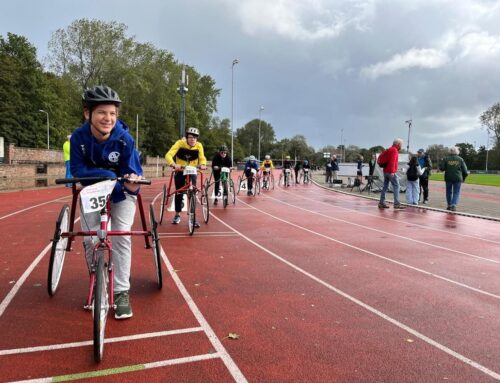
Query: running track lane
{"type": "Point", "coordinates": [295, 326]}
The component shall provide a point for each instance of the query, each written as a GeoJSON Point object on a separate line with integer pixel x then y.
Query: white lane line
{"type": "Point", "coordinates": [12, 293]}
{"type": "Point", "coordinates": [382, 257]}
{"type": "Point", "coordinates": [32, 207]}
{"type": "Point", "coordinates": [121, 370]}
{"type": "Point", "coordinates": [386, 232]}
{"type": "Point", "coordinates": [388, 219]}
{"type": "Point", "coordinates": [373, 310]}
{"type": "Point", "coordinates": [226, 358]}
{"type": "Point", "coordinates": [90, 342]}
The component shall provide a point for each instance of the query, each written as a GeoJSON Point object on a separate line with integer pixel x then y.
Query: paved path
{"type": "Point", "coordinates": [474, 199]}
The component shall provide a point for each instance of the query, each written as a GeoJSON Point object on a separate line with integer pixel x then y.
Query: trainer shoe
{"type": "Point", "coordinates": [399, 206]}
{"type": "Point", "coordinates": [177, 219]}
{"type": "Point", "coordinates": [249, 192]}
{"type": "Point", "coordinates": [216, 201]}
{"type": "Point", "coordinates": [383, 206]}
{"type": "Point", "coordinates": [426, 202]}
{"type": "Point", "coordinates": [122, 306]}
{"type": "Point", "coordinates": [453, 208]}
{"type": "Point", "coordinates": [196, 224]}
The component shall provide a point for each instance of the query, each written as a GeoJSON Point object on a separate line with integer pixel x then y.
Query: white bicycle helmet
{"type": "Point", "coordinates": [268, 157]}
{"type": "Point", "coordinates": [193, 131]}
{"type": "Point", "coordinates": [251, 158]}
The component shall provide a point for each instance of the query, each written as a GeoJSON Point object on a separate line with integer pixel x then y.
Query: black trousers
{"type": "Point", "coordinates": [180, 181]}
{"type": "Point", "coordinates": [424, 185]}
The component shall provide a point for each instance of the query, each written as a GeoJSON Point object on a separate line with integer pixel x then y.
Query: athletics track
{"type": "Point", "coordinates": [320, 287]}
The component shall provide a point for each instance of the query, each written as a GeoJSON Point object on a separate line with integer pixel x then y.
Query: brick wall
{"type": "Point", "coordinates": [18, 155]}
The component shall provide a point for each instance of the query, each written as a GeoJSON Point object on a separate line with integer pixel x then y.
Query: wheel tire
{"type": "Point", "coordinates": [256, 187]}
{"type": "Point", "coordinates": [232, 191]}
{"type": "Point", "coordinates": [272, 181]}
{"type": "Point", "coordinates": [156, 246]}
{"type": "Point", "coordinates": [191, 212]}
{"type": "Point", "coordinates": [58, 251]}
{"type": "Point", "coordinates": [204, 205]}
{"type": "Point", "coordinates": [100, 308]}
{"type": "Point", "coordinates": [225, 192]}
{"type": "Point", "coordinates": [239, 185]}
{"type": "Point", "coordinates": [163, 202]}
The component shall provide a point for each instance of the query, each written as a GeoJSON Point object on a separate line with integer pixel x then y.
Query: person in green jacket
{"type": "Point", "coordinates": [66, 147]}
{"type": "Point", "coordinates": [455, 172]}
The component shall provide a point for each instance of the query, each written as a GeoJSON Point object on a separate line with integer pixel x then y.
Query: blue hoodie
{"type": "Point", "coordinates": [114, 157]}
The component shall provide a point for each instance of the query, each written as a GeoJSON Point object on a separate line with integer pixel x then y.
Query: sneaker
{"type": "Point", "coordinates": [249, 192]}
{"type": "Point", "coordinates": [383, 206]}
{"type": "Point", "coordinates": [216, 201]}
{"type": "Point", "coordinates": [426, 202]}
{"type": "Point", "coordinates": [453, 208]}
{"type": "Point", "coordinates": [399, 206]}
{"type": "Point", "coordinates": [196, 224]}
{"type": "Point", "coordinates": [122, 306]}
{"type": "Point", "coordinates": [177, 219]}
{"type": "Point", "coordinates": [448, 207]}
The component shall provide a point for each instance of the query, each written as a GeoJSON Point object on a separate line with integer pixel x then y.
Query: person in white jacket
{"type": "Point", "coordinates": [413, 173]}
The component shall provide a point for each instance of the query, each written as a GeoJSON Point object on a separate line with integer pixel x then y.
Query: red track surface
{"type": "Point", "coordinates": [320, 286]}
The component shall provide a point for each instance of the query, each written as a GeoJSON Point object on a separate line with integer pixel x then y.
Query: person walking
{"type": "Point", "coordinates": [426, 165]}
{"type": "Point", "coordinates": [413, 185]}
{"type": "Point", "coordinates": [388, 160]}
{"type": "Point", "coordinates": [455, 172]}
{"type": "Point", "coordinates": [66, 151]}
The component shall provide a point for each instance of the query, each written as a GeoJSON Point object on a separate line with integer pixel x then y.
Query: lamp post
{"type": "Point", "coordinates": [183, 89]}
{"type": "Point", "coordinates": [409, 129]}
{"type": "Point", "coordinates": [48, 134]}
{"type": "Point", "coordinates": [235, 61]}
{"type": "Point", "coordinates": [487, 147]}
{"type": "Point", "coordinates": [260, 111]}
{"type": "Point", "coordinates": [342, 144]}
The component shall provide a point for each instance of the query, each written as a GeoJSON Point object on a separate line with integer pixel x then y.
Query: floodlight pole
{"type": "Point", "coordinates": [409, 122]}
{"type": "Point", "coordinates": [235, 61]}
{"type": "Point", "coordinates": [182, 89]}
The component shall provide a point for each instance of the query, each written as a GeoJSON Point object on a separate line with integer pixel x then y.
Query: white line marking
{"type": "Point", "coordinates": [226, 358]}
{"type": "Point", "coordinates": [388, 233]}
{"type": "Point", "coordinates": [90, 342]}
{"type": "Point", "coordinates": [373, 310]}
{"type": "Point", "coordinates": [384, 258]}
{"type": "Point", "coordinates": [32, 207]}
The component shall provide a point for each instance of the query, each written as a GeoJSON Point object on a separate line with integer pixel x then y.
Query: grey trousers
{"type": "Point", "coordinates": [122, 218]}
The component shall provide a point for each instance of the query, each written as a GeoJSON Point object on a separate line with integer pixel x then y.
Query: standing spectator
{"type": "Point", "coordinates": [455, 172]}
{"type": "Point", "coordinates": [296, 170]}
{"type": "Point", "coordinates": [359, 172]}
{"type": "Point", "coordinates": [335, 169]}
{"type": "Point", "coordinates": [426, 165]}
{"type": "Point", "coordinates": [388, 160]}
{"type": "Point", "coordinates": [66, 150]}
{"type": "Point", "coordinates": [412, 186]}
{"type": "Point", "coordinates": [328, 171]}
{"type": "Point", "coordinates": [371, 164]}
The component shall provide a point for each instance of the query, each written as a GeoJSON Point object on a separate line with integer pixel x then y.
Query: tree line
{"type": "Point", "coordinates": [93, 52]}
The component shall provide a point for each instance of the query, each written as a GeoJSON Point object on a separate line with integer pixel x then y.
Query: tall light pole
{"type": "Point", "coordinates": [487, 147]}
{"type": "Point", "coordinates": [342, 144]}
{"type": "Point", "coordinates": [235, 61]}
{"type": "Point", "coordinates": [183, 89]}
{"type": "Point", "coordinates": [48, 134]}
{"type": "Point", "coordinates": [260, 112]}
{"type": "Point", "coordinates": [409, 129]}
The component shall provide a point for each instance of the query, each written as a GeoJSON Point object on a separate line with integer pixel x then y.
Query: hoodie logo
{"type": "Point", "coordinates": [113, 157]}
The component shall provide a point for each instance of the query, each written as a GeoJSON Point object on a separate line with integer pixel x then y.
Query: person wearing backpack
{"type": "Point", "coordinates": [413, 173]}
{"type": "Point", "coordinates": [388, 160]}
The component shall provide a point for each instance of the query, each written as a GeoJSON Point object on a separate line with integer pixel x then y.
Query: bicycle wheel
{"type": "Point", "coordinates": [225, 196]}
{"type": "Point", "coordinates": [58, 251]}
{"type": "Point", "coordinates": [191, 211]}
{"type": "Point", "coordinates": [163, 202]}
{"type": "Point", "coordinates": [239, 185]}
{"type": "Point", "coordinates": [100, 308]}
{"type": "Point", "coordinates": [256, 187]}
{"type": "Point", "coordinates": [232, 191]}
{"type": "Point", "coordinates": [272, 182]}
{"type": "Point", "coordinates": [156, 246]}
{"type": "Point", "coordinates": [204, 205]}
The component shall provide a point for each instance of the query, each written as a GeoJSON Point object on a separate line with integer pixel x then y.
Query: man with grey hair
{"type": "Point", "coordinates": [388, 160]}
{"type": "Point", "coordinates": [455, 172]}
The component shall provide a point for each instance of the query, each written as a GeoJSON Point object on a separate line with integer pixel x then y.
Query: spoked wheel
{"type": "Point", "coordinates": [191, 212]}
{"type": "Point", "coordinates": [100, 308]}
{"type": "Point", "coordinates": [256, 187]}
{"type": "Point", "coordinates": [225, 192]}
{"type": "Point", "coordinates": [232, 192]}
{"type": "Point", "coordinates": [156, 246]}
{"type": "Point", "coordinates": [239, 185]}
{"type": "Point", "coordinates": [163, 202]}
{"type": "Point", "coordinates": [271, 180]}
{"type": "Point", "coordinates": [204, 205]}
{"type": "Point", "coordinates": [58, 251]}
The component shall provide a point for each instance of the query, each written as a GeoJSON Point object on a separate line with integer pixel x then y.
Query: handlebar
{"type": "Point", "coordinates": [102, 178]}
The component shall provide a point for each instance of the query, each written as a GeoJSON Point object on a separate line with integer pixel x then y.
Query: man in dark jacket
{"type": "Point", "coordinates": [455, 172]}
{"type": "Point", "coordinates": [426, 165]}
{"type": "Point", "coordinates": [220, 160]}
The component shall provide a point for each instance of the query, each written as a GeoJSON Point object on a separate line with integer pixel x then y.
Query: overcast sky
{"type": "Point", "coordinates": [317, 66]}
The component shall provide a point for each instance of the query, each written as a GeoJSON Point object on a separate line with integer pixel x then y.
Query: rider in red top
{"type": "Point", "coordinates": [389, 161]}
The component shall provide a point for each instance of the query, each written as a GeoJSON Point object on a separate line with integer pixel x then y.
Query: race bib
{"type": "Point", "coordinates": [225, 170]}
{"type": "Point", "coordinates": [190, 170]}
{"type": "Point", "coordinates": [94, 197]}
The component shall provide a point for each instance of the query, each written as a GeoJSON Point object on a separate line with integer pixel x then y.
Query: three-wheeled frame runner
{"type": "Point", "coordinates": [191, 190]}
{"type": "Point", "coordinates": [226, 186]}
{"type": "Point", "coordinates": [96, 198]}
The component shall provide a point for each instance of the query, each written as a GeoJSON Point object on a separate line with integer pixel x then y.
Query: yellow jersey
{"type": "Point", "coordinates": [267, 164]}
{"type": "Point", "coordinates": [185, 154]}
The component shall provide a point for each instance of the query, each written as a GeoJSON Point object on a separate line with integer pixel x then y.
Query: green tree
{"type": "Point", "coordinates": [491, 120]}
{"type": "Point", "coordinates": [248, 137]}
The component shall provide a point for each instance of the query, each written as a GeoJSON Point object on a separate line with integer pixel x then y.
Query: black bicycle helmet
{"type": "Point", "coordinates": [101, 94]}
{"type": "Point", "coordinates": [223, 148]}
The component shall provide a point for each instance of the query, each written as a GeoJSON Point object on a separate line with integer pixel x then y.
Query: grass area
{"type": "Point", "coordinates": [474, 179]}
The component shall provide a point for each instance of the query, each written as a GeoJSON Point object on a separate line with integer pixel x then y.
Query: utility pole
{"type": "Point", "coordinates": [182, 89]}
{"type": "Point", "coordinates": [235, 61]}
{"type": "Point", "coordinates": [409, 130]}
{"type": "Point", "coordinates": [260, 119]}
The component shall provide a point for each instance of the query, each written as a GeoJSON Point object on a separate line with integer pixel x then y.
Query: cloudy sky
{"type": "Point", "coordinates": [326, 69]}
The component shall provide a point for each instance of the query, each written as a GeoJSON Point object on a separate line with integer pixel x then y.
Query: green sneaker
{"type": "Point", "coordinates": [122, 305]}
